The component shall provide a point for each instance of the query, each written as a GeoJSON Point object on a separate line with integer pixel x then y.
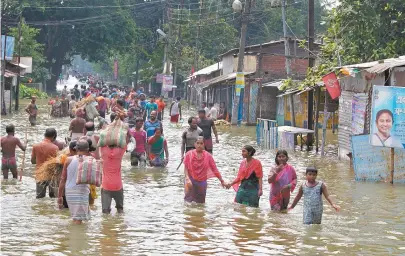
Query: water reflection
{"type": "Point", "coordinates": [248, 225]}
{"type": "Point", "coordinates": [110, 242]}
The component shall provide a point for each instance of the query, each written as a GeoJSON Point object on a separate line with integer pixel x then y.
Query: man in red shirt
{"type": "Point", "coordinates": [41, 152]}
{"type": "Point", "coordinates": [112, 181]}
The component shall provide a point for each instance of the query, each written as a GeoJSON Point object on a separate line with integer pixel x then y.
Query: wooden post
{"type": "Point", "coordinates": [392, 165]}
{"type": "Point", "coordinates": [318, 103]}
{"type": "Point", "coordinates": [325, 123]}
{"type": "Point", "coordinates": [290, 97]}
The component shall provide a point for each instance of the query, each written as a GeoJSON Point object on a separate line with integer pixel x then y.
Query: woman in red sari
{"type": "Point", "coordinates": [248, 184]}
{"type": "Point", "coordinates": [283, 180]}
{"type": "Point", "coordinates": [199, 166]}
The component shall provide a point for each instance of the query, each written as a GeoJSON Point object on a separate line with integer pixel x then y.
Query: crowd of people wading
{"type": "Point", "coordinates": [107, 120]}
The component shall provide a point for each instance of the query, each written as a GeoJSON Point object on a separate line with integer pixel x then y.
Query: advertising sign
{"type": "Point", "coordinates": [359, 105]}
{"type": "Point", "coordinates": [167, 85]}
{"type": "Point", "coordinates": [9, 47]}
{"type": "Point", "coordinates": [373, 163]}
{"type": "Point", "coordinates": [388, 117]}
{"type": "Point", "coordinates": [332, 85]}
{"type": "Point", "coordinates": [159, 78]}
{"type": "Point", "coordinates": [240, 82]}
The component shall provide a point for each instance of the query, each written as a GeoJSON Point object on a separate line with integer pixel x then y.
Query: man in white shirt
{"type": "Point", "coordinates": [213, 113]}
{"type": "Point", "coordinates": [204, 106]}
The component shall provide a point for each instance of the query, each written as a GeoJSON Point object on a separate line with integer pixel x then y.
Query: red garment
{"type": "Point", "coordinates": [201, 169]}
{"type": "Point", "coordinates": [246, 169]}
{"type": "Point", "coordinates": [174, 118]}
{"type": "Point", "coordinates": [112, 158]}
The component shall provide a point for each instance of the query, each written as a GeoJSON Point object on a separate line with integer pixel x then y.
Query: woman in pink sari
{"type": "Point", "coordinates": [283, 180]}
{"type": "Point", "coordinates": [248, 183]}
{"type": "Point", "coordinates": [199, 166]}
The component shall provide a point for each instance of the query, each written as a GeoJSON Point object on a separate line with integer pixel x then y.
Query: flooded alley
{"type": "Point", "coordinates": [157, 221]}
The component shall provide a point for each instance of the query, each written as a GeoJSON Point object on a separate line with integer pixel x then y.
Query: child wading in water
{"type": "Point", "coordinates": [312, 191]}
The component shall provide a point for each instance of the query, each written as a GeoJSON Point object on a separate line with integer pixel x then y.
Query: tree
{"type": "Point", "coordinates": [94, 33]}
{"type": "Point", "coordinates": [376, 32]}
{"type": "Point", "coordinates": [266, 20]}
{"type": "Point", "coordinates": [31, 48]}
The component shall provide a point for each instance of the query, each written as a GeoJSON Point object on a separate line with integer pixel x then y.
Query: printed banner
{"type": "Point", "coordinates": [167, 84]}
{"type": "Point", "coordinates": [373, 163]}
{"type": "Point", "coordinates": [359, 105]}
{"type": "Point", "coordinates": [332, 85]}
{"type": "Point", "coordinates": [239, 82]}
{"type": "Point", "coordinates": [388, 117]}
{"type": "Point", "coordinates": [159, 78]}
{"type": "Point", "coordinates": [9, 47]}
{"type": "Point", "coordinates": [115, 69]}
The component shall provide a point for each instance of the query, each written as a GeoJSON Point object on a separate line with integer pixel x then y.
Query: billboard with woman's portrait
{"type": "Point", "coordinates": [388, 117]}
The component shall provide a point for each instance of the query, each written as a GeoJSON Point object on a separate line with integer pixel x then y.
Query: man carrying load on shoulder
{"type": "Point", "coordinates": [111, 156]}
{"type": "Point", "coordinates": [41, 152]}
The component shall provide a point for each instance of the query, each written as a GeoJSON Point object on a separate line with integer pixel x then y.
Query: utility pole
{"type": "Point", "coordinates": [236, 117]}
{"type": "Point", "coordinates": [196, 58]}
{"type": "Point", "coordinates": [3, 71]}
{"type": "Point", "coordinates": [287, 59]}
{"type": "Point", "coordinates": [167, 46]}
{"type": "Point", "coordinates": [17, 88]}
{"type": "Point", "coordinates": [178, 52]}
{"type": "Point", "coordinates": [311, 63]}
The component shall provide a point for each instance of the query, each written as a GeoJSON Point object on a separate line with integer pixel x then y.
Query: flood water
{"type": "Point", "coordinates": [157, 221]}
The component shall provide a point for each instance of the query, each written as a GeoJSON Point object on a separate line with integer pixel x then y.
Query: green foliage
{"type": "Point", "coordinates": [358, 31]}
{"type": "Point", "coordinates": [31, 48]}
{"type": "Point", "coordinates": [266, 20]}
{"type": "Point", "coordinates": [27, 92]}
{"type": "Point", "coordinates": [367, 30]}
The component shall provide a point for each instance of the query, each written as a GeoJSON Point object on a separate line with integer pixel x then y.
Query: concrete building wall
{"type": "Point", "coordinates": [267, 107]}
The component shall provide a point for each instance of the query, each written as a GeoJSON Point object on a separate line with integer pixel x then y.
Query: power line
{"type": "Point", "coordinates": [92, 7]}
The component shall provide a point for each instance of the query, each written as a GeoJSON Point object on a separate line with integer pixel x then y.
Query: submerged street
{"type": "Point", "coordinates": [156, 219]}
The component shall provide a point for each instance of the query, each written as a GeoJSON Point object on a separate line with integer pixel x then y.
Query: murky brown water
{"type": "Point", "coordinates": [157, 221]}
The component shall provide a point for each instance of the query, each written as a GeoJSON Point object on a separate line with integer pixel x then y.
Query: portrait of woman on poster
{"type": "Point", "coordinates": [382, 137]}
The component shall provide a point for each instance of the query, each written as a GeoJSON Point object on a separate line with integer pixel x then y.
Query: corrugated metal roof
{"type": "Point", "coordinates": [381, 67]}
{"type": "Point", "coordinates": [250, 47]}
{"type": "Point", "coordinates": [277, 84]}
{"type": "Point", "coordinates": [206, 71]}
{"type": "Point", "coordinates": [219, 79]}
{"type": "Point", "coordinates": [373, 63]}
{"type": "Point", "coordinates": [10, 74]}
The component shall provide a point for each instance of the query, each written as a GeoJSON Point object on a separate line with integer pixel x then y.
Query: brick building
{"type": "Point", "coordinates": [264, 64]}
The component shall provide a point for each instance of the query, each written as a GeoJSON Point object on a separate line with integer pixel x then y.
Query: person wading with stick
{"type": "Point", "coordinates": [8, 144]}
{"type": "Point", "coordinates": [190, 136]}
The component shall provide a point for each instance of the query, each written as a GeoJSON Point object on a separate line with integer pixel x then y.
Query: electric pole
{"type": "Point", "coordinates": [287, 59]}
{"type": "Point", "coordinates": [311, 63]}
{"type": "Point", "coordinates": [236, 115]}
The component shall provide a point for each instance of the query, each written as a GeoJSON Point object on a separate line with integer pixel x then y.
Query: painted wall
{"type": "Point", "coordinates": [301, 112]}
